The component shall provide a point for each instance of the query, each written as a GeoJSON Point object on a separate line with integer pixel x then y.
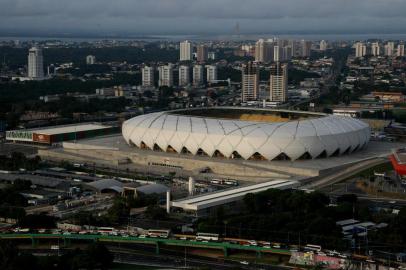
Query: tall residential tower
{"type": "Point", "coordinates": [279, 82]}
{"type": "Point", "coordinates": [185, 51]}
{"type": "Point", "coordinates": [250, 82]}
{"type": "Point", "coordinates": [148, 76]}
{"type": "Point", "coordinates": [35, 64]}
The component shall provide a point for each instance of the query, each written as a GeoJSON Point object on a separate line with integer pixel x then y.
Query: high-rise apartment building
{"type": "Point", "coordinates": [212, 55]}
{"type": "Point", "coordinates": [279, 82]}
{"type": "Point", "coordinates": [250, 82]}
{"type": "Point", "coordinates": [185, 50]}
{"type": "Point", "coordinates": [375, 49]}
{"type": "Point", "coordinates": [202, 53]}
{"type": "Point", "coordinates": [35, 64]}
{"type": "Point", "coordinates": [148, 76]}
{"type": "Point", "coordinates": [211, 71]}
{"type": "Point", "coordinates": [198, 78]}
{"type": "Point", "coordinates": [277, 53]}
{"type": "Point", "coordinates": [400, 52]}
{"type": "Point", "coordinates": [287, 53]}
{"type": "Point", "coordinates": [263, 51]}
{"type": "Point", "coordinates": [293, 44]}
{"type": "Point", "coordinates": [323, 45]}
{"type": "Point", "coordinates": [165, 75]}
{"type": "Point", "coordinates": [184, 75]}
{"type": "Point", "coordinates": [90, 60]}
{"type": "Point", "coordinates": [389, 48]}
{"type": "Point", "coordinates": [306, 48]}
{"type": "Point", "coordinates": [360, 49]}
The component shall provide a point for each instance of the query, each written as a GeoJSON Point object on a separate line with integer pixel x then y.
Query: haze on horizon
{"type": "Point", "coordinates": [171, 17]}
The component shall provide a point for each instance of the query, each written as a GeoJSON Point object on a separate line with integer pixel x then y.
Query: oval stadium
{"type": "Point", "coordinates": [247, 133]}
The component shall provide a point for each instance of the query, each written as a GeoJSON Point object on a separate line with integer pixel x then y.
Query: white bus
{"type": "Point", "coordinates": [159, 233]}
{"type": "Point", "coordinates": [310, 247]}
{"type": "Point", "coordinates": [207, 237]}
{"type": "Point", "coordinates": [105, 230]}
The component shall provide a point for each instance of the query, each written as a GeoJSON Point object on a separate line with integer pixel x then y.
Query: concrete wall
{"type": "Point", "coordinates": [226, 168]}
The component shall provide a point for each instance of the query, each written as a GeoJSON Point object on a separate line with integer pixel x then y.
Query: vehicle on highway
{"type": "Point", "coordinates": [207, 237]}
{"type": "Point", "coordinates": [314, 248]}
{"type": "Point", "coordinates": [252, 243]}
{"type": "Point", "coordinates": [159, 233]}
{"type": "Point", "coordinates": [105, 230]}
{"type": "Point", "coordinates": [21, 230]}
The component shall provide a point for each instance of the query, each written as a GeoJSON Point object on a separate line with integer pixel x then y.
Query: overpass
{"type": "Point", "coordinates": [158, 242]}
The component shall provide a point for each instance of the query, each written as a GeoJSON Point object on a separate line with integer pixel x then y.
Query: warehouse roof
{"type": "Point", "coordinates": [69, 129]}
{"type": "Point", "coordinates": [106, 184]}
{"type": "Point", "coordinates": [35, 179]}
{"type": "Point", "coordinates": [152, 188]}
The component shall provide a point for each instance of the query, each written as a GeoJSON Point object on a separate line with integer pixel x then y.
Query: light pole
{"type": "Point", "coordinates": [225, 228]}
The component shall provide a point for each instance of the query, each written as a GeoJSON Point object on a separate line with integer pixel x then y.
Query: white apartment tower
{"type": "Point", "coordinates": [184, 77]}
{"type": "Point", "coordinates": [250, 82]}
{"type": "Point", "coordinates": [400, 52]}
{"type": "Point", "coordinates": [35, 64]}
{"type": "Point", "coordinates": [375, 49]}
{"type": "Point", "coordinates": [198, 75]}
{"type": "Point", "coordinates": [211, 71]}
{"type": "Point", "coordinates": [277, 53]}
{"type": "Point", "coordinates": [165, 75]}
{"type": "Point", "coordinates": [279, 82]}
{"type": "Point", "coordinates": [323, 45]}
{"type": "Point", "coordinates": [360, 49]}
{"type": "Point", "coordinates": [185, 50]}
{"type": "Point", "coordinates": [148, 76]}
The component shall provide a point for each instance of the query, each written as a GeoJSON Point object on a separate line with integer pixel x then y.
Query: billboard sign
{"type": "Point", "coordinates": [19, 135]}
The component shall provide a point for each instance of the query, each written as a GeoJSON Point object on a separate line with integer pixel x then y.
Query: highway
{"type": "Point", "coordinates": [341, 175]}
{"type": "Point", "coordinates": [157, 242]}
{"type": "Point", "coordinates": [177, 260]}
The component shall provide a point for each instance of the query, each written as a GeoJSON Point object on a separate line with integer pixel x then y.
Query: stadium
{"type": "Point", "coordinates": [247, 133]}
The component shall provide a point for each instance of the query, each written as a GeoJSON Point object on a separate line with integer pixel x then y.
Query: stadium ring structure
{"type": "Point", "coordinates": [247, 133]}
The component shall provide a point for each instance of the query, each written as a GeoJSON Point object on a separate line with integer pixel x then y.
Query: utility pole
{"type": "Point", "coordinates": [185, 258]}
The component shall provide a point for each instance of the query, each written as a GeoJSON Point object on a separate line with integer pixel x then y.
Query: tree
{"type": "Point", "coordinates": [99, 256]}
{"type": "Point", "coordinates": [348, 198]}
{"type": "Point", "coordinates": [38, 222]}
{"type": "Point", "coordinates": [156, 212]}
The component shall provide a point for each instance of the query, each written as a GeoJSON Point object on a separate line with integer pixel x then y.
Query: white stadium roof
{"type": "Point", "coordinates": [317, 135]}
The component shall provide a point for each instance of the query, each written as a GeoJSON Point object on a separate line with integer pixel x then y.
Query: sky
{"type": "Point", "coordinates": [200, 17]}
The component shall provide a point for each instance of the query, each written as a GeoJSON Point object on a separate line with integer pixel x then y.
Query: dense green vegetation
{"type": "Point", "coordinates": [17, 57]}
{"type": "Point", "coordinates": [294, 76]}
{"type": "Point", "coordinates": [293, 216]}
{"type": "Point", "coordinates": [66, 106]}
{"type": "Point", "coordinates": [19, 161]}
{"type": "Point", "coordinates": [95, 256]}
{"type": "Point", "coordinates": [15, 92]}
{"type": "Point", "coordinates": [284, 216]}
{"type": "Point", "coordinates": [121, 209]}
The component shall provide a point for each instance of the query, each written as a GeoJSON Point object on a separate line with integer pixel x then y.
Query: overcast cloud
{"type": "Point", "coordinates": [134, 17]}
